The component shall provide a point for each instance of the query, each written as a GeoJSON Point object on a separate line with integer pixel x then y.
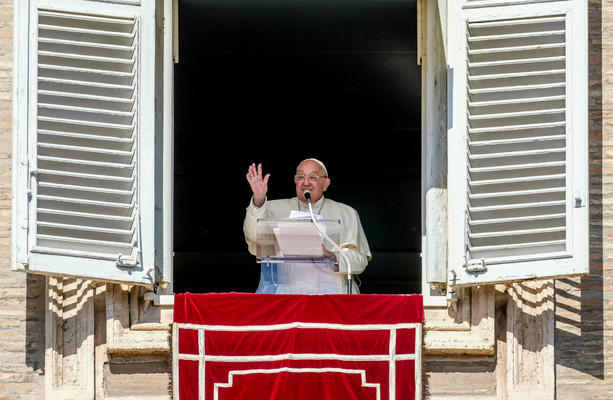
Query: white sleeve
{"type": "Point", "coordinates": [250, 224]}
{"type": "Point", "coordinates": [356, 260]}
{"type": "Point", "coordinates": [355, 249]}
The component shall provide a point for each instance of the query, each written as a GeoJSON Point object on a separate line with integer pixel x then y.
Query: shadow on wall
{"type": "Point", "coordinates": [35, 322]}
{"type": "Point", "coordinates": [72, 304]}
{"type": "Point", "coordinates": [579, 340]}
{"type": "Point", "coordinates": [579, 334]}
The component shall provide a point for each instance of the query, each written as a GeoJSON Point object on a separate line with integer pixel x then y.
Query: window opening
{"type": "Point", "coordinates": [276, 82]}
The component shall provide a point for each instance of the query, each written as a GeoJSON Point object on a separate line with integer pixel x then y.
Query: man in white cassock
{"type": "Point", "coordinates": [315, 278]}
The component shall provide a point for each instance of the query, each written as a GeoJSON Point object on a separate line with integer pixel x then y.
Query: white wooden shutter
{"type": "Point", "coordinates": [518, 140]}
{"type": "Point", "coordinates": [85, 151]}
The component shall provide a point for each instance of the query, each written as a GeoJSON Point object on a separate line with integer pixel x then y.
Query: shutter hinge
{"type": "Point", "coordinates": [476, 265]}
{"type": "Point", "coordinates": [126, 261]}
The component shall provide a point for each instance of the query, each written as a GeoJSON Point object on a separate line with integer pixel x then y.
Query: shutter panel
{"type": "Point", "coordinates": [523, 128]}
{"type": "Point", "coordinates": [90, 140]}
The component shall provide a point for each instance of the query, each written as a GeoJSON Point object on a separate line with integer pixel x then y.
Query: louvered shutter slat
{"type": "Point", "coordinates": [65, 73]}
{"type": "Point", "coordinates": [55, 164]}
{"type": "Point", "coordinates": [77, 246]}
{"type": "Point", "coordinates": [493, 235]}
{"type": "Point", "coordinates": [519, 182]}
{"type": "Point", "coordinates": [85, 179]}
{"type": "Point", "coordinates": [121, 119]}
{"type": "Point", "coordinates": [517, 226]}
{"type": "Point", "coordinates": [86, 141]}
{"type": "Point", "coordinates": [521, 219]}
{"type": "Point", "coordinates": [86, 51]}
{"type": "Point", "coordinates": [502, 169]}
{"type": "Point", "coordinates": [525, 129]}
{"type": "Point", "coordinates": [522, 251]}
{"type": "Point", "coordinates": [93, 22]}
{"type": "Point", "coordinates": [91, 124]}
{"type": "Point", "coordinates": [82, 61]}
{"type": "Point", "coordinates": [91, 206]}
{"type": "Point", "coordinates": [525, 85]}
{"type": "Point", "coordinates": [101, 87]}
{"type": "Point", "coordinates": [510, 207]}
{"type": "Point", "coordinates": [480, 115]}
{"type": "Point", "coordinates": [515, 26]}
{"type": "Point", "coordinates": [475, 144]}
{"type": "Point", "coordinates": [87, 153]}
{"type": "Point", "coordinates": [522, 152]}
{"type": "Point", "coordinates": [505, 105]}
{"type": "Point", "coordinates": [86, 193]}
{"type": "Point", "coordinates": [85, 232]}
{"type": "Point", "coordinates": [85, 100]}
{"type": "Point", "coordinates": [94, 220]}
{"type": "Point", "coordinates": [512, 196]}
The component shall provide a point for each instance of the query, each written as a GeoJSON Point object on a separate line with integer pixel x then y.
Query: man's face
{"type": "Point", "coordinates": [310, 176]}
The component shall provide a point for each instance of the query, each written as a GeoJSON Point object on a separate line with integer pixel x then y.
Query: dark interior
{"type": "Point", "coordinates": [278, 81]}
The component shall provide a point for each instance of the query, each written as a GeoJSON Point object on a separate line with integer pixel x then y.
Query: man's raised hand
{"type": "Point", "coordinates": [258, 183]}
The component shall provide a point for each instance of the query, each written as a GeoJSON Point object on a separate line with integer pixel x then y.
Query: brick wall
{"type": "Point", "coordinates": [584, 307]}
{"type": "Point", "coordinates": [21, 297]}
{"type": "Point", "coordinates": [146, 376]}
{"type": "Point", "coordinates": [460, 377]}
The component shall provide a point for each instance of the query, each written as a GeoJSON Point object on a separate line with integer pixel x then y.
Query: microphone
{"type": "Point", "coordinates": [307, 195]}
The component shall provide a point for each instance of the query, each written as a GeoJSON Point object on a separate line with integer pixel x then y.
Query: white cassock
{"type": "Point", "coordinates": [298, 279]}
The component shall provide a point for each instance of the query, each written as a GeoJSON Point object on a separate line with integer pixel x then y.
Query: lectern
{"type": "Point", "coordinates": [292, 256]}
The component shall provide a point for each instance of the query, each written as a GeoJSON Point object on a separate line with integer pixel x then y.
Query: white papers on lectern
{"type": "Point", "coordinates": [304, 214]}
{"type": "Point", "coordinates": [297, 238]}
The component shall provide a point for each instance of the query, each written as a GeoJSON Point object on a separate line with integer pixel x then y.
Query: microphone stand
{"type": "Point", "coordinates": [307, 196]}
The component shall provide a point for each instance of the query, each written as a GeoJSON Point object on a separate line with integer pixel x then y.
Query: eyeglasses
{"type": "Point", "coordinates": [312, 178]}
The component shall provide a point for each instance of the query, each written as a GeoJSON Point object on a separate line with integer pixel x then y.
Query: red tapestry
{"type": "Point", "coordinates": [297, 347]}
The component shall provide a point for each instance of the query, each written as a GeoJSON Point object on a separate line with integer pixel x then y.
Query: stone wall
{"type": "Point", "coordinates": [584, 307]}
{"type": "Point", "coordinates": [22, 300]}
